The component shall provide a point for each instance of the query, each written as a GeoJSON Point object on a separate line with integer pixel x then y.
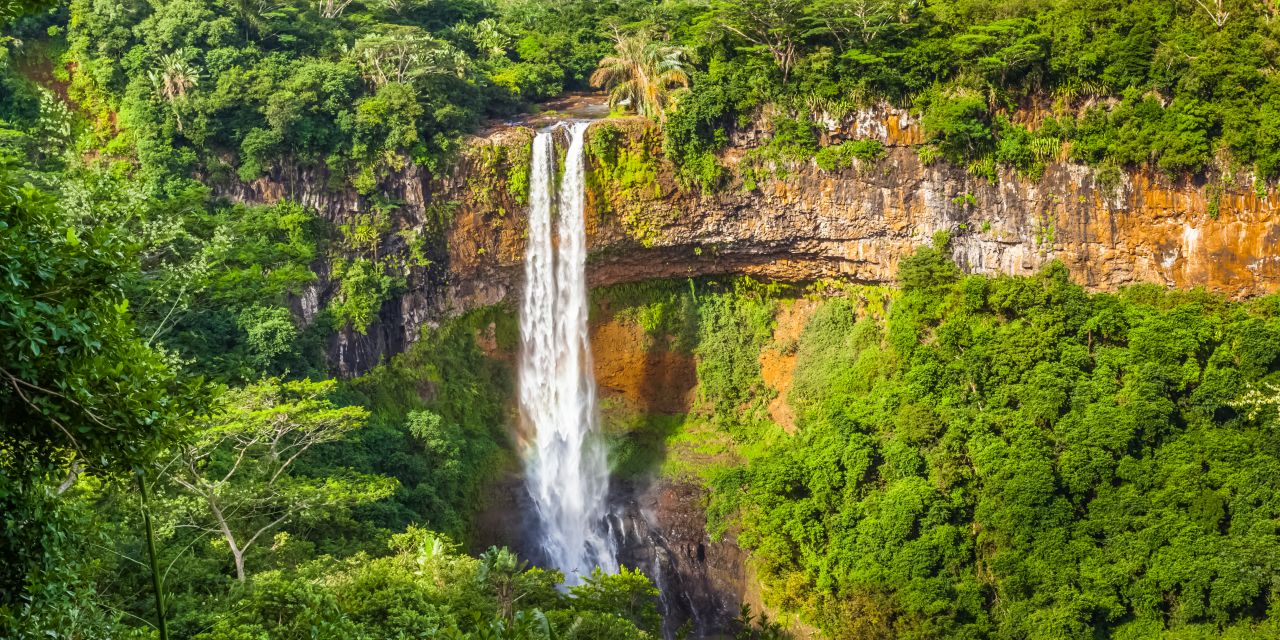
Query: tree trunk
{"type": "Point", "coordinates": [156, 579]}
{"type": "Point", "coordinates": [237, 553]}
{"type": "Point", "coordinates": [239, 558]}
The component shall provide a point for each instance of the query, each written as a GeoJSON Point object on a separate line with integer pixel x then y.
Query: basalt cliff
{"type": "Point", "coordinates": [797, 222]}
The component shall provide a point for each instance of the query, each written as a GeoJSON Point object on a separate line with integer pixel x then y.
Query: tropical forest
{"type": "Point", "coordinates": [639, 319]}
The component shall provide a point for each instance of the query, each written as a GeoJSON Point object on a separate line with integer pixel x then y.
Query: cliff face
{"type": "Point", "coordinates": [799, 223]}
{"type": "Point", "coordinates": [859, 222]}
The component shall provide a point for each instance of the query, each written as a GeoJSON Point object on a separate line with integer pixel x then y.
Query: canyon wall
{"type": "Point", "coordinates": [857, 223]}
{"type": "Point", "coordinates": [798, 223]}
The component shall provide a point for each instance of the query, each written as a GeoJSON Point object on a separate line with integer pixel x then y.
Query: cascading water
{"type": "Point", "coordinates": [566, 470]}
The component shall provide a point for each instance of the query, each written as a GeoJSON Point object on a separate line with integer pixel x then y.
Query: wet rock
{"type": "Point", "coordinates": [660, 527]}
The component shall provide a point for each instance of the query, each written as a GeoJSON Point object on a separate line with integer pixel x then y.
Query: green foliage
{"type": "Point", "coordinates": [627, 594]}
{"type": "Point", "coordinates": [239, 467]}
{"type": "Point", "coordinates": [78, 377]}
{"type": "Point", "coordinates": [50, 546]}
{"type": "Point", "coordinates": [426, 588]}
{"type": "Point", "coordinates": [1137, 83]}
{"type": "Point", "coordinates": [82, 391]}
{"type": "Point", "coordinates": [733, 328]}
{"type": "Point", "coordinates": [1016, 440]}
{"type": "Point", "coordinates": [1175, 138]}
{"type": "Point", "coordinates": [269, 332]}
{"type": "Point", "coordinates": [645, 75]}
{"type": "Point", "coordinates": [360, 90]}
{"type": "Point", "coordinates": [841, 156]}
{"type": "Point", "coordinates": [518, 169]}
{"type": "Point", "coordinates": [365, 285]}
{"type": "Point", "coordinates": [664, 309]}
{"type": "Point", "coordinates": [793, 139]}
{"type": "Point", "coordinates": [437, 424]}
{"type": "Point", "coordinates": [508, 162]}
{"type": "Point", "coordinates": [625, 175]}
{"type": "Point", "coordinates": [209, 272]}
{"type": "Point", "coordinates": [694, 132]}
{"type": "Point", "coordinates": [366, 89]}
{"type": "Point", "coordinates": [638, 442]}
{"type": "Point", "coordinates": [1023, 150]}
{"type": "Point", "coordinates": [603, 142]}
{"type": "Point", "coordinates": [959, 125]}
{"type": "Point", "coordinates": [757, 627]}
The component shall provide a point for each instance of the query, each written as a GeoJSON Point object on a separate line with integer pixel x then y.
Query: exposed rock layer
{"type": "Point", "coordinates": [859, 222]}
{"type": "Point", "coordinates": [810, 224]}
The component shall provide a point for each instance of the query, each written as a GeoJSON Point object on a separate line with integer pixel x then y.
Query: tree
{"type": "Point", "coordinates": [1217, 12]}
{"type": "Point", "coordinates": [863, 19]}
{"type": "Point", "coordinates": [500, 569]}
{"type": "Point", "coordinates": [239, 467]}
{"type": "Point", "coordinates": [1002, 52]}
{"type": "Point", "coordinates": [403, 54]}
{"type": "Point", "coordinates": [75, 378]}
{"type": "Point", "coordinates": [489, 38]}
{"type": "Point", "coordinates": [1263, 398]}
{"type": "Point", "coordinates": [776, 26]}
{"type": "Point", "coordinates": [641, 74]}
{"type": "Point", "coordinates": [330, 9]}
{"type": "Point", "coordinates": [173, 79]}
{"type": "Point", "coordinates": [11, 10]}
{"type": "Point", "coordinates": [627, 594]}
{"type": "Point", "coordinates": [79, 391]}
{"type": "Point", "coordinates": [958, 124]}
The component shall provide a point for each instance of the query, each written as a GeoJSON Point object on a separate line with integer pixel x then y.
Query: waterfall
{"type": "Point", "coordinates": [566, 469]}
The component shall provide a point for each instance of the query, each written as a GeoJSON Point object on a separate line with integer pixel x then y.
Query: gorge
{"type": "Point", "coordinates": [628, 320]}
{"type": "Point", "coordinates": [853, 224]}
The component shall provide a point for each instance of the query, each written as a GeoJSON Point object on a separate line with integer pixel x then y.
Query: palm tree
{"type": "Point", "coordinates": [173, 79]}
{"type": "Point", "coordinates": [642, 74]}
{"type": "Point", "coordinates": [175, 76]}
{"type": "Point", "coordinates": [499, 568]}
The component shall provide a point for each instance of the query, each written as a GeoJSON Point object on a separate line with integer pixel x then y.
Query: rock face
{"type": "Point", "coordinates": [662, 532]}
{"type": "Point", "coordinates": [800, 224]}
{"type": "Point", "coordinates": [399, 320]}
{"type": "Point", "coordinates": [659, 528]}
{"type": "Point", "coordinates": [859, 222]}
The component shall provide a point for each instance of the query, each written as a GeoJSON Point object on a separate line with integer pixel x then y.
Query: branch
{"type": "Point", "coordinates": [15, 381]}
{"type": "Point", "coordinates": [743, 35]}
{"type": "Point", "coordinates": [72, 476]}
{"type": "Point", "coordinates": [239, 458]}
{"type": "Point", "coordinates": [288, 462]}
{"type": "Point", "coordinates": [184, 550]}
{"type": "Point", "coordinates": [225, 527]}
{"type": "Point", "coordinates": [286, 514]}
{"type": "Point", "coordinates": [123, 556]}
{"type": "Point", "coordinates": [173, 307]}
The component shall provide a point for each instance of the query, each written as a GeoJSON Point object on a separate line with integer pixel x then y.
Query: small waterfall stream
{"type": "Point", "coordinates": [566, 466]}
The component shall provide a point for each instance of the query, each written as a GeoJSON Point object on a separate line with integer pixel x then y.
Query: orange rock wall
{"type": "Point", "coordinates": [858, 223]}
{"type": "Point", "coordinates": [802, 224]}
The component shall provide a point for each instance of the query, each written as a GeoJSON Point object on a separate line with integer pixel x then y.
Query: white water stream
{"type": "Point", "coordinates": [566, 469]}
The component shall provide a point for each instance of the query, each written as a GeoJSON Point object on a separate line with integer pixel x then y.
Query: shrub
{"type": "Point", "coordinates": [959, 125]}
{"type": "Point", "coordinates": [841, 156]}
